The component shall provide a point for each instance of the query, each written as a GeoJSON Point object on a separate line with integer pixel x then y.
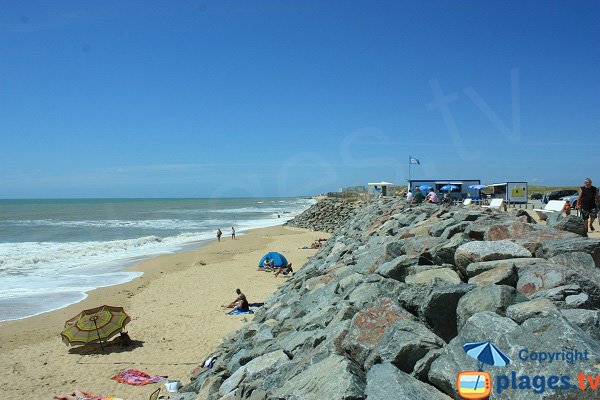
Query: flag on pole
{"type": "Point", "coordinates": [413, 160]}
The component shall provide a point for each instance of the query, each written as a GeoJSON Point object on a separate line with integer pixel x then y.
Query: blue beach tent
{"type": "Point", "coordinates": [277, 258]}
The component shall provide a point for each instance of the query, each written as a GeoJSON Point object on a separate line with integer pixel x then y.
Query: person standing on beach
{"type": "Point", "coordinates": [586, 203]}
{"type": "Point", "coordinates": [232, 233]}
{"type": "Point", "coordinates": [219, 233]}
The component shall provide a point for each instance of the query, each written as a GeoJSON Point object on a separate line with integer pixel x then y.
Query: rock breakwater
{"type": "Point", "coordinates": [383, 309]}
{"type": "Point", "coordinates": [326, 215]}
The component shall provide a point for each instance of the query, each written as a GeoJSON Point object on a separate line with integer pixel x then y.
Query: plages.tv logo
{"type": "Point", "coordinates": [475, 385]}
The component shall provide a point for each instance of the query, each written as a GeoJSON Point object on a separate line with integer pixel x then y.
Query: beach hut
{"type": "Point", "coordinates": [381, 189]}
{"type": "Point", "coordinates": [511, 192]}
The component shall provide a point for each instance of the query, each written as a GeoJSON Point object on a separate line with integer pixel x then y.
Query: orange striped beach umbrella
{"type": "Point", "coordinates": [94, 325]}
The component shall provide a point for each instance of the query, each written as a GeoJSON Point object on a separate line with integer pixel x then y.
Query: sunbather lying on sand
{"type": "Point", "coordinates": [79, 395]}
{"type": "Point", "coordinates": [314, 245]}
{"type": "Point", "coordinates": [286, 270]}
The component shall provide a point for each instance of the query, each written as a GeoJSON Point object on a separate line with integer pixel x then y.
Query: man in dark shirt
{"type": "Point", "coordinates": [586, 203]}
{"type": "Point", "coordinates": [418, 198]}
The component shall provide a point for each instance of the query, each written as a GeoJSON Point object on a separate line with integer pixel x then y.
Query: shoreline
{"type": "Point", "coordinates": [174, 308]}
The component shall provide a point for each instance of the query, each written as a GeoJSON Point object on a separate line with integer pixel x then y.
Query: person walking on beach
{"type": "Point", "coordinates": [586, 203]}
{"type": "Point", "coordinates": [232, 233]}
{"type": "Point", "coordinates": [219, 233]}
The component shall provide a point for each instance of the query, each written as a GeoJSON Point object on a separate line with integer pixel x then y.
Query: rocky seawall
{"type": "Point", "coordinates": [326, 215]}
{"type": "Point", "coordinates": [383, 310]}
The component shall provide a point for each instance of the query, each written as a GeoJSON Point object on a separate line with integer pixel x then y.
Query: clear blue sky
{"type": "Point", "coordinates": [273, 98]}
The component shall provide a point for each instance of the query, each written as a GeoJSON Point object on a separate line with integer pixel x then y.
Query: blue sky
{"type": "Point", "coordinates": [275, 98]}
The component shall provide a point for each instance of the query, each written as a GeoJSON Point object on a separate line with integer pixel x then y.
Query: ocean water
{"type": "Point", "coordinates": [54, 251]}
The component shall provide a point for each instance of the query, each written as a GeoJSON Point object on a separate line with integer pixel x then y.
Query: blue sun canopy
{"type": "Point", "coordinates": [277, 258]}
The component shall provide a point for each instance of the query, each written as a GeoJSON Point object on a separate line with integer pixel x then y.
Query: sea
{"type": "Point", "coordinates": [52, 252]}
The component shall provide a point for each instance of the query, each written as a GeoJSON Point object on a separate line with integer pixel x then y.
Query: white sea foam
{"type": "Point", "coordinates": [164, 224]}
{"type": "Point", "coordinates": [39, 276]}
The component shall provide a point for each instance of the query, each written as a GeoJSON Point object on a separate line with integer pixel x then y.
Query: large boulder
{"type": "Point", "coordinates": [369, 327]}
{"type": "Point", "coordinates": [577, 260]}
{"type": "Point", "coordinates": [421, 246]}
{"type": "Point", "coordinates": [508, 230]}
{"type": "Point", "coordinates": [260, 367]}
{"type": "Point", "coordinates": [539, 280]}
{"type": "Point", "coordinates": [438, 228]}
{"type": "Point", "coordinates": [439, 309]}
{"type": "Point", "coordinates": [461, 215]}
{"type": "Point", "coordinates": [335, 377]}
{"type": "Point", "coordinates": [386, 382]}
{"type": "Point", "coordinates": [553, 248]}
{"type": "Point", "coordinates": [371, 289]}
{"type": "Point", "coordinates": [569, 223]}
{"type": "Point", "coordinates": [452, 230]}
{"type": "Point", "coordinates": [443, 253]}
{"type": "Point", "coordinates": [404, 344]}
{"type": "Point", "coordinates": [494, 298]}
{"type": "Point", "coordinates": [587, 320]}
{"type": "Point", "coordinates": [398, 267]}
{"type": "Point", "coordinates": [506, 275]}
{"type": "Point", "coordinates": [487, 251]}
{"type": "Point", "coordinates": [477, 268]}
{"type": "Point", "coordinates": [540, 307]}
{"type": "Point", "coordinates": [427, 277]}
{"type": "Point", "coordinates": [527, 235]}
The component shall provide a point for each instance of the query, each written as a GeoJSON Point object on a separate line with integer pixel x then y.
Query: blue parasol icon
{"type": "Point", "coordinates": [424, 188]}
{"type": "Point", "coordinates": [486, 353]}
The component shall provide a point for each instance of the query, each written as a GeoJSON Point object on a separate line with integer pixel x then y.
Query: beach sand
{"type": "Point", "coordinates": [175, 310]}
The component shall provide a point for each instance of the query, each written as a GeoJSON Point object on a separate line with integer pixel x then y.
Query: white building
{"type": "Point", "coordinates": [380, 189]}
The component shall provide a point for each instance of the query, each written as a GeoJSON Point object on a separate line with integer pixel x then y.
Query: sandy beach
{"type": "Point", "coordinates": [175, 310]}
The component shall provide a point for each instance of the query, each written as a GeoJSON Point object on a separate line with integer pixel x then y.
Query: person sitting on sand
{"type": "Point", "coordinates": [315, 245]}
{"type": "Point", "coordinates": [240, 303]}
{"type": "Point", "coordinates": [285, 270]}
{"type": "Point", "coordinates": [268, 265]}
